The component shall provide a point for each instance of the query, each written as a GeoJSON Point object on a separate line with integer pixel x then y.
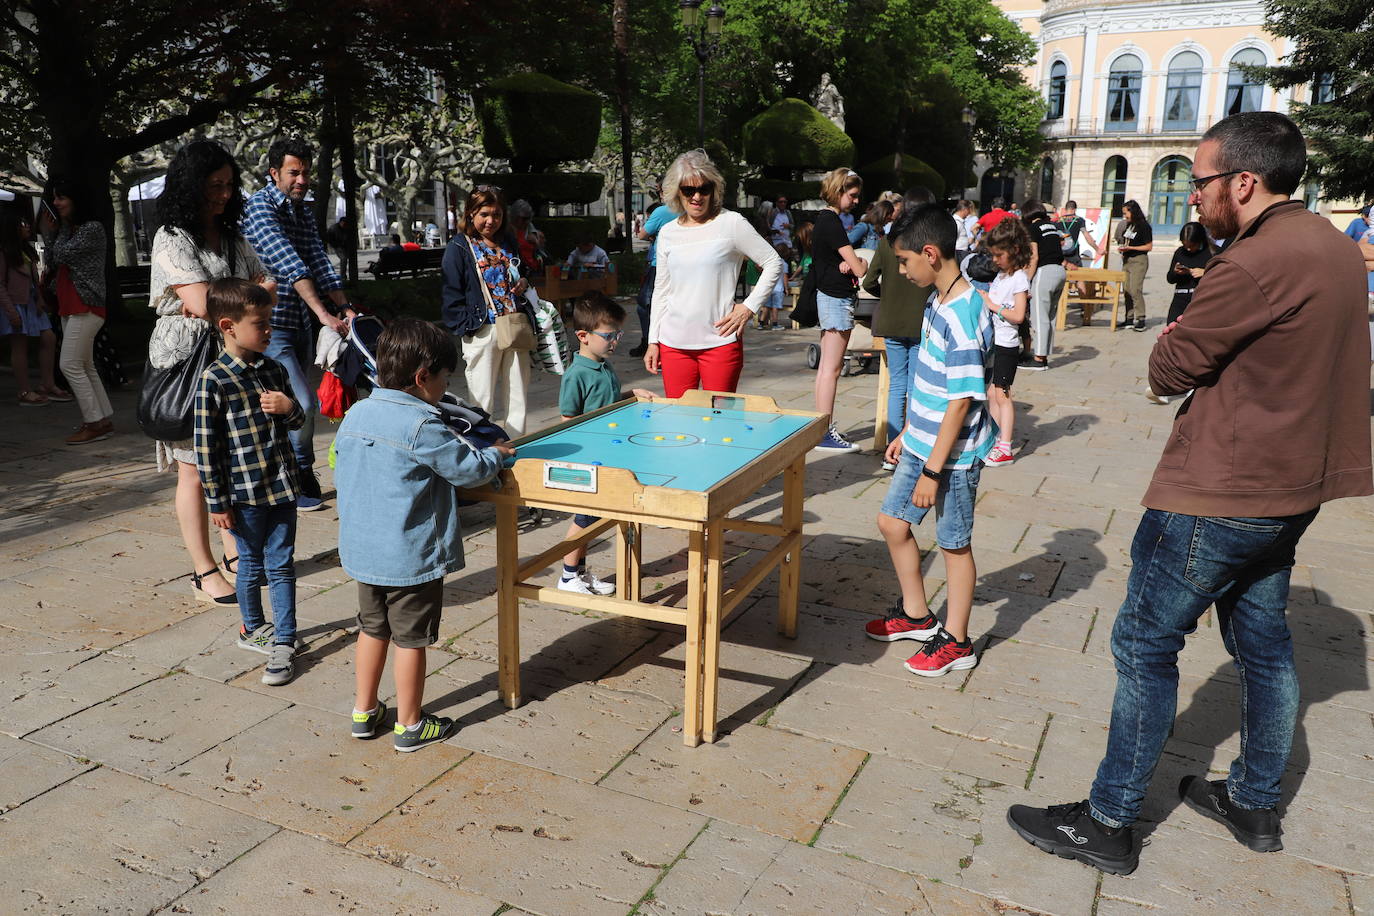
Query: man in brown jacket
{"type": "Point", "coordinates": [1274, 349]}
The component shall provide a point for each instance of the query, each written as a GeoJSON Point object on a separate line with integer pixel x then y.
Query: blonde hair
{"type": "Point", "coordinates": [693, 165]}
{"type": "Point", "coordinates": [836, 183]}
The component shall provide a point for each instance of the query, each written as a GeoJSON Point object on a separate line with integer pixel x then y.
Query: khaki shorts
{"type": "Point", "coordinates": [406, 615]}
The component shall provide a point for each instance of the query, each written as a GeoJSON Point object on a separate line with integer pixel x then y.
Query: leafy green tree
{"type": "Point", "coordinates": [1333, 49]}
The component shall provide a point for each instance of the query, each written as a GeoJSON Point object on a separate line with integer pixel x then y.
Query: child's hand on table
{"type": "Point", "coordinates": [503, 446]}
{"type": "Point", "coordinates": [644, 393]}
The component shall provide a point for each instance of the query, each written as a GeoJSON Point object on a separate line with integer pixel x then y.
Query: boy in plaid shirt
{"type": "Point", "coordinates": [244, 409]}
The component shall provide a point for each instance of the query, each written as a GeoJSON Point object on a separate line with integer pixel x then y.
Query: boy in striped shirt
{"type": "Point", "coordinates": [940, 453]}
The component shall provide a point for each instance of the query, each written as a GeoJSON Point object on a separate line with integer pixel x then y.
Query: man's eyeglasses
{"type": "Point", "coordinates": [609, 336]}
{"type": "Point", "coordinates": [1200, 183]}
{"type": "Point", "coordinates": [703, 189]}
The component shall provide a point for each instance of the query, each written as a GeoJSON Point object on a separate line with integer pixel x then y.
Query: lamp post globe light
{"type": "Point", "coordinates": [704, 35]}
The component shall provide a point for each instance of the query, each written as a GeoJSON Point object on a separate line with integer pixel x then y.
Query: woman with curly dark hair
{"type": "Point", "coordinates": [199, 242]}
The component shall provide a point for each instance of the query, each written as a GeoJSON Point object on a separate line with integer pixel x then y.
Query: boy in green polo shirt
{"type": "Point", "coordinates": [590, 384]}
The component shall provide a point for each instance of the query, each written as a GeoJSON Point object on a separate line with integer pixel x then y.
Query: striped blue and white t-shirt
{"type": "Point", "coordinates": [952, 363]}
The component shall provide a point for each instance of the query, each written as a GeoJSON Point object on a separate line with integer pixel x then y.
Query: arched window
{"type": "Point", "coordinates": [1114, 184]}
{"type": "Point", "coordinates": [1181, 92]}
{"type": "Point", "coordinates": [1059, 81]}
{"type": "Point", "coordinates": [1169, 190]}
{"type": "Point", "coordinates": [1047, 180]}
{"type": "Point", "coordinates": [1323, 88]}
{"type": "Point", "coordinates": [1244, 92]}
{"type": "Point", "coordinates": [1123, 93]}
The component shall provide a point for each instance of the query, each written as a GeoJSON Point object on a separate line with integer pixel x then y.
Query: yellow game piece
{"type": "Point", "coordinates": [727, 439]}
{"type": "Point", "coordinates": [706, 419]}
{"type": "Point", "coordinates": [612, 425]}
{"type": "Point", "coordinates": [658, 438]}
{"type": "Point", "coordinates": [679, 437]}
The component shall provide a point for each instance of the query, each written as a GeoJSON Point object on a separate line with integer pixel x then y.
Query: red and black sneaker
{"type": "Point", "coordinates": [940, 655]}
{"type": "Point", "coordinates": [897, 625]}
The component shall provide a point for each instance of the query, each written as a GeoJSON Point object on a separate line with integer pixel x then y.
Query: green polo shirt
{"type": "Point", "coordinates": [587, 385]}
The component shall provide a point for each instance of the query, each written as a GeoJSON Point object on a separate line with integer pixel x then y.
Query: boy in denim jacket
{"type": "Point", "coordinates": [398, 465]}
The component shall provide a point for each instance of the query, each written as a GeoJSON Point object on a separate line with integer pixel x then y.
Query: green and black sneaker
{"type": "Point", "coordinates": [365, 724]}
{"type": "Point", "coordinates": [428, 730]}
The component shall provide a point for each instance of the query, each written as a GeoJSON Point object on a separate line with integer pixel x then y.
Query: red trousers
{"type": "Point", "coordinates": [715, 368]}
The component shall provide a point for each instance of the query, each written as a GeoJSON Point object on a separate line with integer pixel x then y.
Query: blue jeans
{"type": "Point", "coordinates": [901, 365]}
{"type": "Point", "coordinates": [295, 350]}
{"type": "Point", "coordinates": [266, 538]}
{"type": "Point", "coordinates": [1182, 565]}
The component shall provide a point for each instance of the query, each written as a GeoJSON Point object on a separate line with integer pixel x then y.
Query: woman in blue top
{"type": "Point", "coordinates": [484, 254]}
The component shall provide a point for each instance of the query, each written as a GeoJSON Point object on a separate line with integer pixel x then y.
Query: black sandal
{"type": "Point", "coordinates": [230, 565]}
{"type": "Point", "coordinates": [198, 578]}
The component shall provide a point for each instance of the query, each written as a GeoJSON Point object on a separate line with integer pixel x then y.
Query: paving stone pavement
{"type": "Point", "coordinates": [147, 769]}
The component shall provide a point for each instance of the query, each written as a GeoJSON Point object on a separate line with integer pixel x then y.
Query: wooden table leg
{"type": "Point", "coordinates": [627, 562]}
{"type": "Point", "coordinates": [1063, 307]}
{"type": "Point", "coordinates": [710, 656]}
{"type": "Point", "coordinates": [789, 584]}
{"type": "Point", "coordinates": [634, 535]}
{"type": "Point", "coordinates": [880, 418]}
{"type": "Point", "coordinates": [696, 592]}
{"type": "Point", "coordinates": [507, 604]}
{"type": "Point", "coordinates": [1116, 300]}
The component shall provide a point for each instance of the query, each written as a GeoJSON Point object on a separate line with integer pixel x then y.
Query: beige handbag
{"type": "Point", "coordinates": [513, 329]}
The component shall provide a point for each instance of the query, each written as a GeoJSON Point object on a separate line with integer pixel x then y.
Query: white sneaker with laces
{"type": "Point", "coordinates": [598, 586]}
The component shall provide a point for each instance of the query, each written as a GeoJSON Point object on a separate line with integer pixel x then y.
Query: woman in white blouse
{"type": "Point", "coordinates": [694, 333]}
{"type": "Point", "coordinates": [199, 241]}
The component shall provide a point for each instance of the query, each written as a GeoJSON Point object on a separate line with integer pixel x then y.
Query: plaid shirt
{"type": "Point", "coordinates": [283, 234]}
{"type": "Point", "coordinates": [244, 454]}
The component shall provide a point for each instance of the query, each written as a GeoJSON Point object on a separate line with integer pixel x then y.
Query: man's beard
{"type": "Point", "coordinates": [1222, 219]}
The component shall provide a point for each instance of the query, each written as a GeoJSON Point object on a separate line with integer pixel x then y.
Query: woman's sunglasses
{"type": "Point", "coordinates": [705, 189]}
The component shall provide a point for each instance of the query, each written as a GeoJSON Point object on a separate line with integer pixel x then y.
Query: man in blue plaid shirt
{"type": "Point", "coordinates": [283, 233]}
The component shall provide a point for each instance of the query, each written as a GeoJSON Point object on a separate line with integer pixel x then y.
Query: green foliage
{"type": "Point", "coordinates": [629, 270]}
{"type": "Point", "coordinates": [773, 188]}
{"type": "Point", "coordinates": [394, 297]}
{"type": "Point", "coordinates": [794, 135]}
{"type": "Point", "coordinates": [880, 176]}
{"type": "Point", "coordinates": [537, 120]}
{"type": "Point", "coordinates": [1333, 37]}
{"type": "Point", "coordinates": [555, 187]}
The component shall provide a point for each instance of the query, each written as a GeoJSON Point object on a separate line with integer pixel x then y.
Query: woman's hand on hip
{"type": "Point", "coordinates": [734, 322]}
{"type": "Point", "coordinates": [651, 358]}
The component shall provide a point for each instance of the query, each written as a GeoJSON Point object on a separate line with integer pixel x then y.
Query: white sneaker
{"type": "Point", "coordinates": [598, 586]}
{"type": "Point", "coordinates": [1156, 398]}
{"type": "Point", "coordinates": [586, 584]}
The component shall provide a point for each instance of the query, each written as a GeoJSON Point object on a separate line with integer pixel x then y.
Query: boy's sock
{"type": "Point", "coordinates": [572, 572]}
{"type": "Point", "coordinates": [364, 712]}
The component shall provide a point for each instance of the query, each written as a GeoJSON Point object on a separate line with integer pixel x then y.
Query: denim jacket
{"type": "Point", "coordinates": [397, 466]}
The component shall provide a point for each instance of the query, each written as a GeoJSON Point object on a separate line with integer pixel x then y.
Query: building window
{"type": "Point", "coordinates": [1169, 191]}
{"type": "Point", "coordinates": [1182, 91]}
{"type": "Point", "coordinates": [1323, 88]}
{"type": "Point", "coordinates": [1244, 92]}
{"type": "Point", "coordinates": [1311, 197]}
{"type": "Point", "coordinates": [1114, 185]}
{"type": "Point", "coordinates": [1123, 93]}
{"type": "Point", "coordinates": [1047, 180]}
{"type": "Point", "coordinates": [1059, 81]}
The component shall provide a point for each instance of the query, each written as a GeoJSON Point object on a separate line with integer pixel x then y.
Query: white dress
{"type": "Point", "coordinates": [177, 261]}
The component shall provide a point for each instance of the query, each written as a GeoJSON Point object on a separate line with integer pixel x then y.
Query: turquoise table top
{"type": "Point", "coordinates": [668, 445]}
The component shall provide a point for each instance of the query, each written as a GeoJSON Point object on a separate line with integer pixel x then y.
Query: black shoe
{"type": "Point", "coordinates": [310, 484]}
{"type": "Point", "coordinates": [1256, 829]}
{"type": "Point", "coordinates": [1139, 325]}
{"type": "Point", "coordinates": [640, 350]}
{"type": "Point", "coordinates": [1070, 832]}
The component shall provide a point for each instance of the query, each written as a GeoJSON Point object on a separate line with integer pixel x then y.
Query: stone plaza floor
{"type": "Point", "coordinates": [147, 769]}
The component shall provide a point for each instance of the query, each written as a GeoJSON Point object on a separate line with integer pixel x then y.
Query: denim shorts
{"type": "Point", "coordinates": [835, 314]}
{"type": "Point", "coordinates": [953, 500]}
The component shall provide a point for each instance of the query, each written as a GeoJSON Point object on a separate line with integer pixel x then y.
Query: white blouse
{"type": "Point", "coordinates": [698, 269]}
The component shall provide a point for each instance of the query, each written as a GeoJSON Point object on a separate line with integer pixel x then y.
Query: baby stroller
{"type": "Point", "coordinates": [348, 362]}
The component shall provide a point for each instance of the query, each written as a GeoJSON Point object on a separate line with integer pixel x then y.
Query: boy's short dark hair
{"type": "Point", "coordinates": [233, 298]}
{"type": "Point", "coordinates": [595, 309]}
{"type": "Point", "coordinates": [409, 345]}
{"type": "Point", "coordinates": [926, 225]}
{"type": "Point", "coordinates": [289, 146]}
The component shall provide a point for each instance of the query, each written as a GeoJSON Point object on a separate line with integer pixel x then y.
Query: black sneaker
{"type": "Point", "coordinates": [1256, 829]}
{"type": "Point", "coordinates": [640, 350]}
{"type": "Point", "coordinates": [1070, 832]}
{"type": "Point", "coordinates": [1139, 325]}
{"type": "Point", "coordinates": [429, 730]}
{"type": "Point", "coordinates": [310, 484]}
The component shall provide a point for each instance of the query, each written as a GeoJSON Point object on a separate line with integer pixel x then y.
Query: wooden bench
{"type": "Point", "coordinates": [555, 288]}
{"type": "Point", "coordinates": [391, 263]}
{"type": "Point", "coordinates": [1105, 288]}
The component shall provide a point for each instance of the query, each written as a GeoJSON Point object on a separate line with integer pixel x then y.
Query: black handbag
{"type": "Point", "coordinates": [804, 312]}
{"type": "Point", "coordinates": [167, 402]}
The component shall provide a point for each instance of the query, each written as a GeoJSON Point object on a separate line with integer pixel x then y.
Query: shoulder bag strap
{"type": "Point", "coordinates": [481, 281]}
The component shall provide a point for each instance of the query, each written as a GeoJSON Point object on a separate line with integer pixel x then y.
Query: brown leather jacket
{"type": "Point", "coordinates": [1276, 349]}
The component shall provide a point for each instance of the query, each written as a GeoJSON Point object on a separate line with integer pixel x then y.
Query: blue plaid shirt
{"type": "Point", "coordinates": [243, 453]}
{"type": "Point", "coordinates": [283, 234]}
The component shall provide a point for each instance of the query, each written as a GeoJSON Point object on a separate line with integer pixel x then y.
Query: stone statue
{"type": "Point", "coordinates": [828, 101]}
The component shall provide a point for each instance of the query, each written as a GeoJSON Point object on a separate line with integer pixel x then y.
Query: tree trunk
{"type": "Point", "coordinates": [125, 245]}
{"type": "Point", "coordinates": [621, 29]}
{"type": "Point", "coordinates": [343, 129]}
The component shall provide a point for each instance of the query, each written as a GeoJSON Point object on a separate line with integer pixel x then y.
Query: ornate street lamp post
{"type": "Point", "coordinates": [704, 37]}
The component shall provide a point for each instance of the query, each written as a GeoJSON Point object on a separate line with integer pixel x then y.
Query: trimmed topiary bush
{"type": "Point", "coordinates": [878, 176]}
{"type": "Point", "coordinates": [536, 120]}
{"type": "Point", "coordinates": [538, 187]}
{"type": "Point", "coordinates": [773, 188]}
{"type": "Point", "coordinates": [794, 135]}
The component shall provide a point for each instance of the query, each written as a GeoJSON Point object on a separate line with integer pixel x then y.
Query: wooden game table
{"type": "Point", "coordinates": [684, 463]}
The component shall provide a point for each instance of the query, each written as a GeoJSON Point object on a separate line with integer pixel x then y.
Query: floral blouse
{"type": "Point", "coordinates": [493, 264]}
